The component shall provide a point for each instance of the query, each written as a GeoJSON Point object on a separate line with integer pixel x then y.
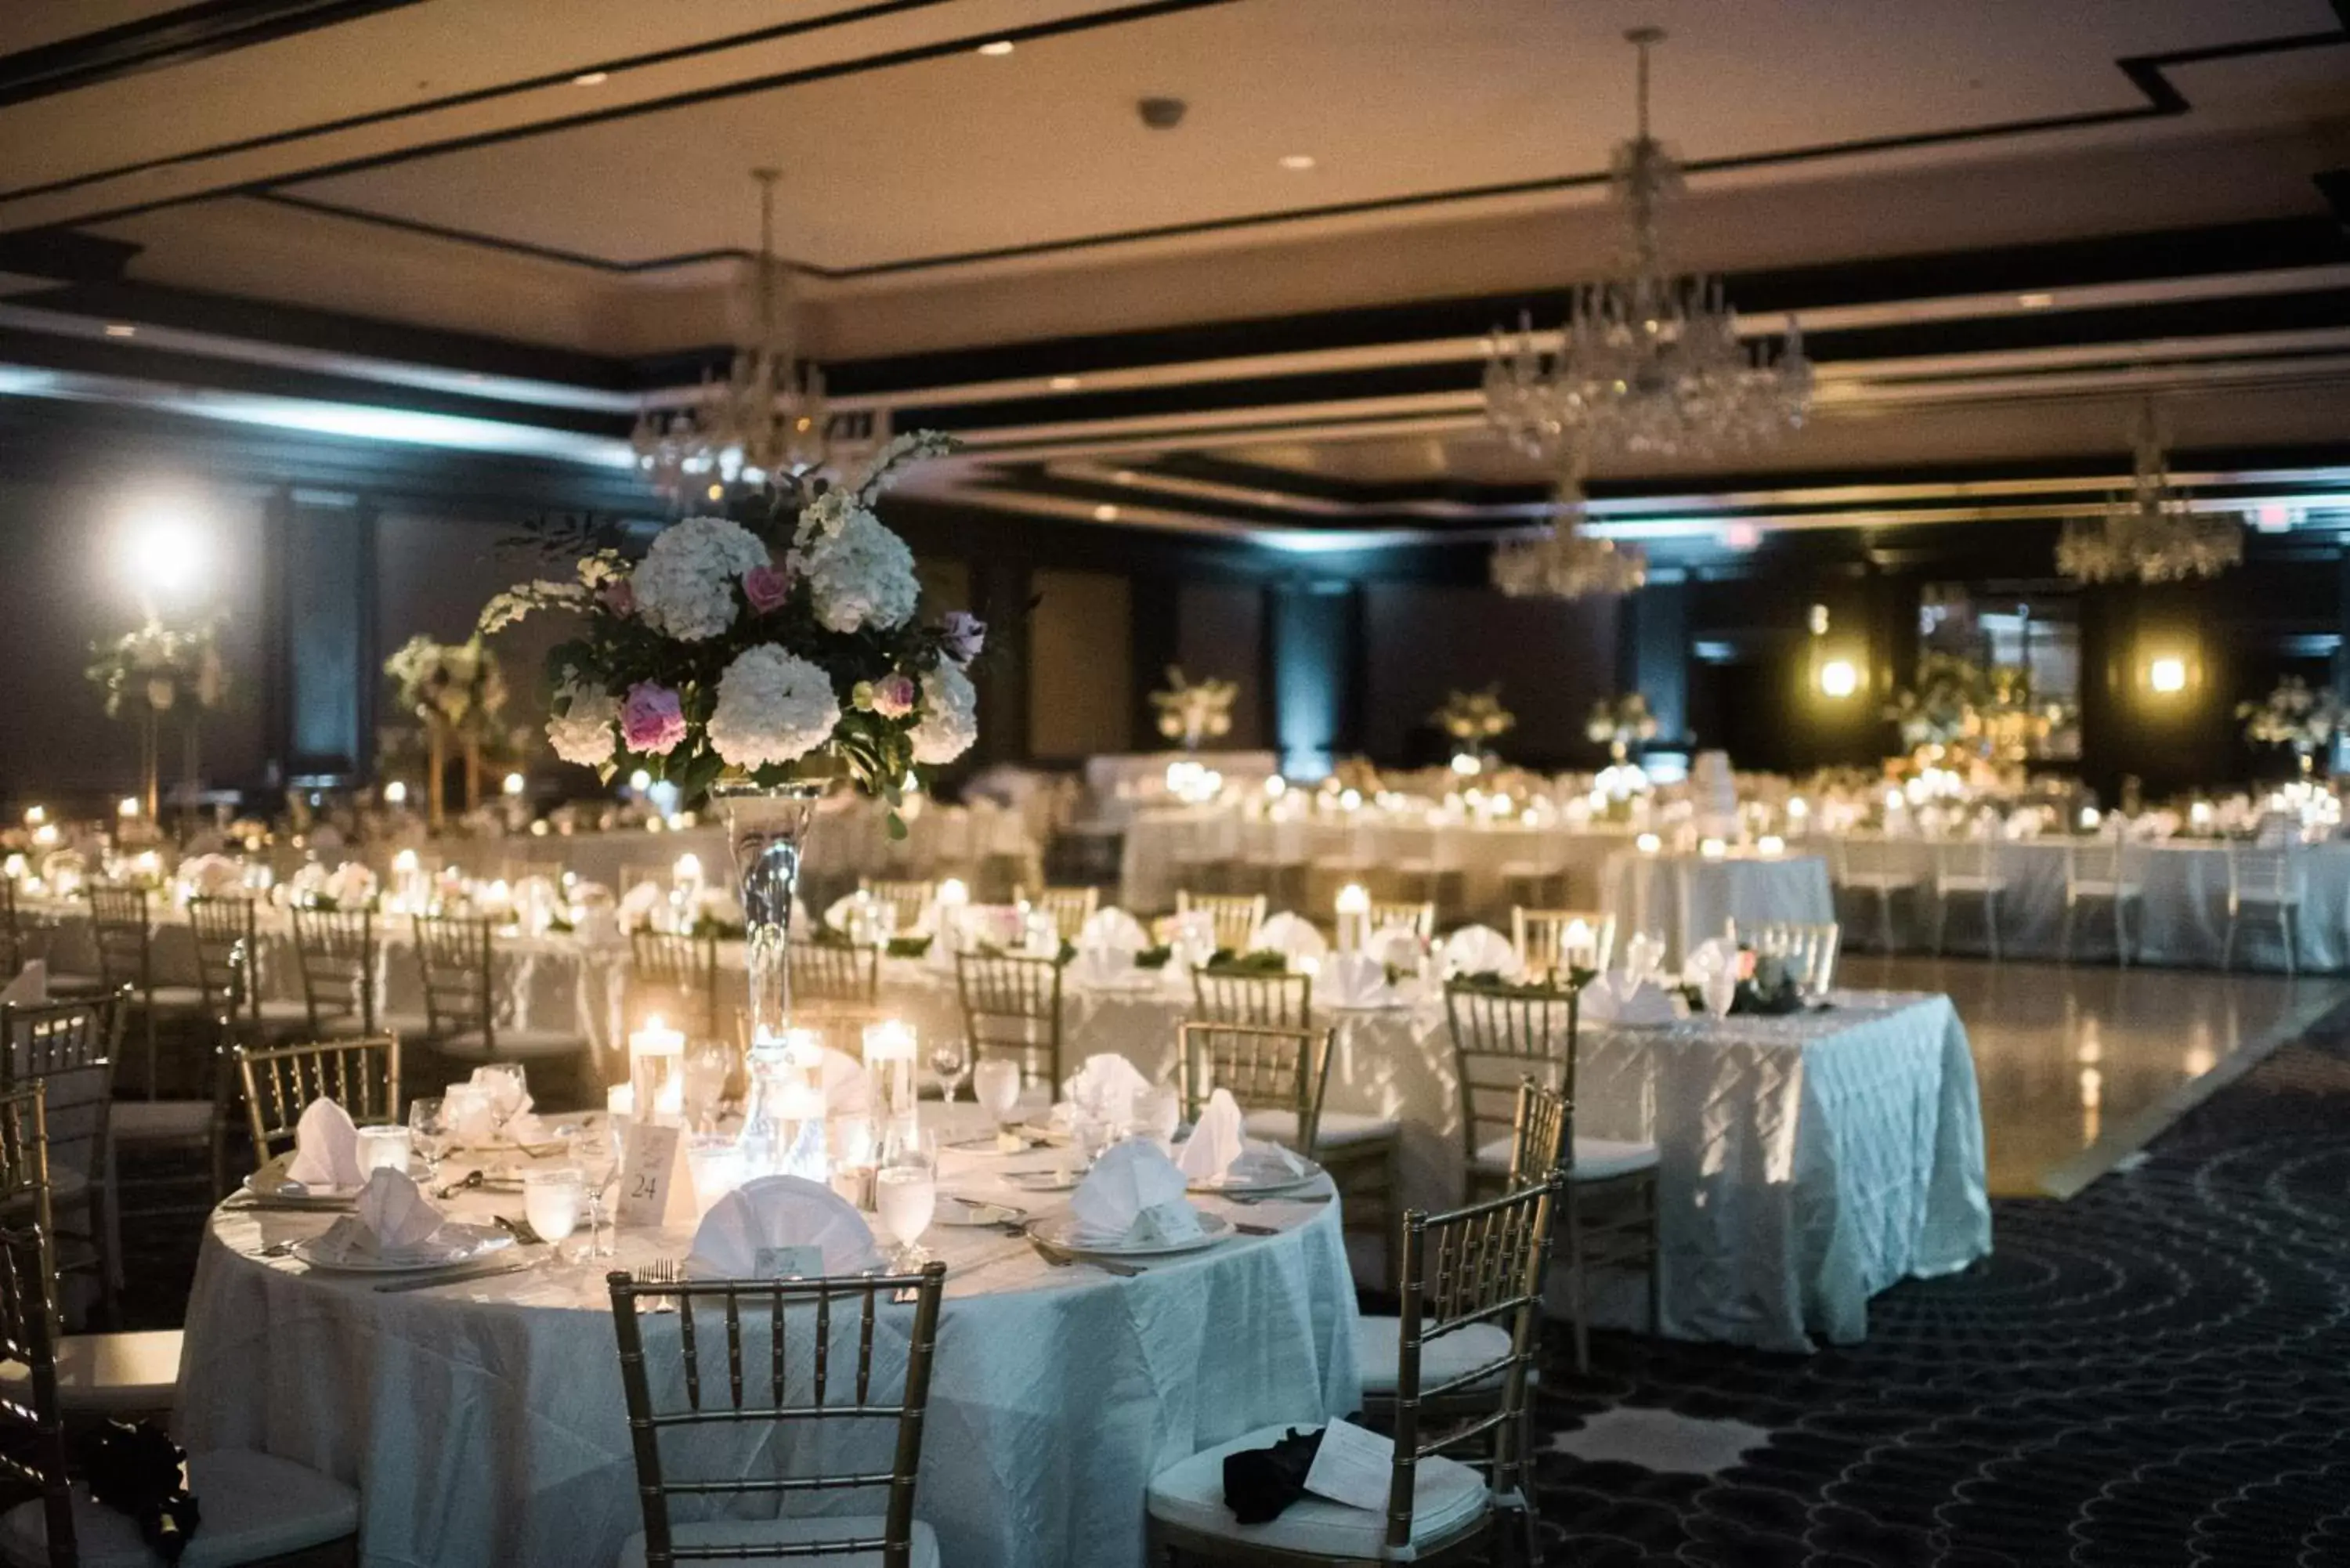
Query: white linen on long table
{"type": "Point", "coordinates": [1690, 898]}
{"type": "Point", "coordinates": [483, 1422]}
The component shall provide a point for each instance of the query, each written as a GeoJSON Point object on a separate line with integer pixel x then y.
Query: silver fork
{"type": "Point", "coordinates": [660, 1272]}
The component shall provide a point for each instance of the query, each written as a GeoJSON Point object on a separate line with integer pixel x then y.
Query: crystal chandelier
{"type": "Point", "coordinates": [1651, 363]}
{"type": "Point", "coordinates": [2150, 534]}
{"type": "Point", "coordinates": [1566, 562]}
{"type": "Point", "coordinates": [766, 420]}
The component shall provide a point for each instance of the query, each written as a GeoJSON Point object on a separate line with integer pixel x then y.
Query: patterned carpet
{"type": "Point", "coordinates": [2155, 1373]}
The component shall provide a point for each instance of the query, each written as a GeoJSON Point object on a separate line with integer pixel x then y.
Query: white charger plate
{"type": "Point", "coordinates": [1042, 1181]}
{"type": "Point", "coordinates": [1060, 1233]}
{"type": "Point", "coordinates": [956, 1209]}
{"type": "Point", "coordinates": [484, 1243]}
{"type": "Point", "coordinates": [1268, 1180]}
{"type": "Point", "coordinates": [270, 1182]}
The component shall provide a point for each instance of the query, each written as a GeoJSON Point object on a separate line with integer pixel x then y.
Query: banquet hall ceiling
{"type": "Point", "coordinates": [2001, 222]}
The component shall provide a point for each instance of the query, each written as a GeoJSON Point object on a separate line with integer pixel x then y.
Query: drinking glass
{"type": "Point", "coordinates": [997, 1085]}
{"type": "Point", "coordinates": [509, 1089]}
{"type": "Point", "coordinates": [430, 1132]}
{"type": "Point", "coordinates": [952, 1065]}
{"type": "Point", "coordinates": [382, 1148]}
{"type": "Point", "coordinates": [708, 1066]}
{"type": "Point", "coordinates": [596, 1150]}
{"type": "Point", "coordinates": [551, 1200]}
{"type": "Point", "coordinates": [905, 1191]}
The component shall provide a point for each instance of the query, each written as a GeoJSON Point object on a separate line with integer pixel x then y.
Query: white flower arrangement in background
{"type": "Point", "coordinates": [1193, 710]}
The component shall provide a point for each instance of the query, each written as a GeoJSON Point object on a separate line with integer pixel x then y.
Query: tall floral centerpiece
{"type": "Point", "coordinates": [1977, 720]}
{"type": "Point", "coordinates": [752, 664]}
{"type": "Point", "coordinates": [1473, 721]}
{"type": "Point", "coordinates": [456, 691]}
{"type": "Point", "coordinates": [156, 671]}
{"type": "Point", "coordinates": [1621, 724]}
{"type": "Point", "coordinates": [1193, 710]}
{"type": "Point", "coordinates": [2294, 715]}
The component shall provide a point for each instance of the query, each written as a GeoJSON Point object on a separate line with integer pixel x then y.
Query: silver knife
{"type": "Point", "coordinates": [456, 1278]}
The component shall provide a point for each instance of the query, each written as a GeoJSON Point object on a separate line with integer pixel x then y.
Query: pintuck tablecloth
{"type": "Point", "coordinates": [1688, 898]}
{"type": "Point", "coordinates": [483, 1423]}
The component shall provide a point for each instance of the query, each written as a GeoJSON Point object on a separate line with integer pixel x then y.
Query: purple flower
{"type": "Point", "coordinates": [621, 596]}
{"type": "Point", "coordinates": [766, 587]}
{"type": "Point", "coordinates": [893, 696]}
{"type": "Point", "coordinates": [963, 635]}
{"type": "Point", "coordinates": [651, 720]}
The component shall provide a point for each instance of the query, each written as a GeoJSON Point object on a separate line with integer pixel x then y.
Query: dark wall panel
{"type": "Point", "coordinates": [1221, 635]}
{"type": "Point", "coordinates": [1553, 658]}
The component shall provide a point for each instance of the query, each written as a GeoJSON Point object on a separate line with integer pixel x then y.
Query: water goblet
{"type": "Point", "coordinates": [509, 1091]}
{"type": "Point", "coordinates": [550, 1202]}
{"type": "Point", "coordinates": [905, 1191]}
{"type": "Point", "coordinates": [708, 1066]}
{"type": "Point", "coordinates": [952, 1065]}
{"type": "Point", "coordinates": [430, 1131]}
{"type": "Point", "coordinates": [997, 1085]}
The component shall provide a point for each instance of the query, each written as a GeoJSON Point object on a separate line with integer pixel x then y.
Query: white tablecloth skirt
{"type": "Point", "coordinates": [1688, 899]}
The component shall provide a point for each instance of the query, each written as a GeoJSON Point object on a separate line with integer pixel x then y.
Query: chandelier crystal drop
{"type": "Point", "coordinates": [1651, 363]}
{"type": "Point", "coordinates": [1565, 562]}
{"type": "Point", "coordinates": [768, 420]}
{"type": "Point", "coordinates": [2151, 535]}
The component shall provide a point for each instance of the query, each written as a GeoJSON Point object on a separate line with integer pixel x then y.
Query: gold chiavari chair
{"type": "Point", "coordinates": [1417, 916]}
{"type": "Point", "coordinates": [843, 973]}
{"type": "Point", "coordinates": [125, 938]}
{"type": "Point", "coordinates": [1223, 993]}
{"type": "Point", "coordinates": [906, 899]}
{"type": "Point", "coordinates": [24, 1162]}
{"type": "Point", "coordinates": [25, 936]}
{"type": "Point", "coordinates": [679, 975]}
{"type": "Point", "coordinates": [1236, 915]}
{"type": "Point", "coordinates": [256, 1507]}
{"type": "Point", "coordinates": [1070, 908]}
{"type": "Point", "coordinates": [1012, 1008]}
{"type": "Point", "coordinates": [821, 1340]}
{"type": "Point", "coordinates": [1540, 936]}
{"type": "Point", "coordinates": [66, 1049]}
{"type": "Point", "coordinates": [1809, 946]}
{"type": "Point", "coordinates": [459, 957]}
{"type": "Point", "coordinates": [1474, 1269]}
{"type": "Point", "coordinates": [1500, 1038]}
{"type": "Point", "coordinates": [339, 956]}
{"type": "Point", "coordinates": [360, 1076]}
{"type": "Point", "coordinates": [228, 972]}
{"type": "Point", "coordinates": [1276, 1076]}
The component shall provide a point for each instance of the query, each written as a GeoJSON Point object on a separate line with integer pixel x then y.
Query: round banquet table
{"type": "Point", "coordinates": [483, 1424]}
{"type": "Point", "coordinates": [1690, 898]}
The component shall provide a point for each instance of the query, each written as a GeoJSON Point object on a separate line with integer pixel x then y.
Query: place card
{"type": "Point", "coordinates": [1354, 1467]}
{"type": "Point", "coordinates": [787, 1263]}
{"type": "Point", "coordinates": [653, 1186]}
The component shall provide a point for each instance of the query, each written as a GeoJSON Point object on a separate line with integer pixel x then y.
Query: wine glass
{"type": "Point", "coordinates": [509, 1091]}
{"type": "Point", "coordinates": [951, 1064]}
{"type": "Point", "coordinates": [997, 1085]}
{"type": "Point", "coordinates": [708, 1066]}
{"type": "Point", "coordinates": [905, 1193]}
{"type": "Point", "coordinates": [596, 1150]}
{"type": "Point", "coordinates": [429, 1129]}
{"type": "Point", "coordinates": [550, 1202]}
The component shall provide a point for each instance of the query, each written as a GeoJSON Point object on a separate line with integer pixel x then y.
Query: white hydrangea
{"type": "Point", "coordinates": [772, 707]}
{"type": "Point", "coordinates": [950, 721]}
{"type": "Point", "coordinates": [859, 574]}
{"type": "Point", "coordinates": [582, 731]}
{"type": "Point", "coordinates": [685, 584]}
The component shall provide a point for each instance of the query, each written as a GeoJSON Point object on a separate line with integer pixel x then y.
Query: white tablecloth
{"type": "Point", "coordinates": [483, 1423]}
{"type": "Point", "coordinates": [1688, 898]}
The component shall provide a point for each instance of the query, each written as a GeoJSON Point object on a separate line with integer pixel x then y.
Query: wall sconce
{"type": "Point", "coordinates": [1839, 677]}
{"type": "Point", "coordinates": [2166, 676]}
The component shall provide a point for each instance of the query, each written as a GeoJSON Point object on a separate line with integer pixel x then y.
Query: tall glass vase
{"type": "Point", "coordinates": [766, 828]}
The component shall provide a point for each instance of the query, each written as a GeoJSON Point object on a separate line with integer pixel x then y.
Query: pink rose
{"type": "Point", "coordinates": [893, 696]}
{"type": "Point", "coordinates": [766, 587]}
{"type": "Point", "coordinates": [651, 720]}
{"type": "Point", "coordinates": [963, 635]}
{"type": "Point", "coordinates": [621, 596]}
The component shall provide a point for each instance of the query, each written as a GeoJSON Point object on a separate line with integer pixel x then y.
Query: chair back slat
{"type": "Point", "coordinates": [799, 1390]}
{"type": "Point", "coordinates": [1012, 1008]}
{"type": "Point", "coordinates": [336, 952]}
{"type": "Point", "coordinates": [67, 1049]}
{"type": "Point", "coordinates": [1277, 999]}
{"type": "Point", "coordinates": [1809, 946]}
{"type": "Point", "coordinates": [360, 1076]}
{"type": "Point", "coordinates": [31, 1428]}
{"type": "Point", "coordinates": [1264, 1068]}
{"type": "Point", "coordinates": [1500, 1039]}
{"type": "Point", "coordinates": [906, 898]}
{"type": "Point", "coordinates": [455, 954]}
{"type": "Point", "coordinates": [124, 938]}
{"type": "Point", "coordinates": [1540, 938]}
{"type": "Point", "coordinates": [1235, 916]}
{"type": "Point", "coordinates": [842, 972]}
{"type": "Point", "coordinates": [1070, 908]}
{"type": "Point", "coordinates": [1416, 915]}
{"type": "Point", "coordinates": [680, 971]}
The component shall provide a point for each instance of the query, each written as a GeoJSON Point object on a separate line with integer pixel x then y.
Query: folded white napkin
{"type": "Point", "coordinates": [494, 1094]}
{"type": "Point", "coordinates": [1159, 1112]}
{"type": "Point", "coordinates": [804, 1227]}
{"type": "Point", "coordinates": [637, 904]}
{"type": "Point", "coordinates": [392, 1223]}
{"type": "Point", "coordinates": [1354, 979]}
{"type": "Point", "coordinates": [848, 1087]}
{"type": "Point", "coordinates": [1105, 1088]}
{"type": "Point", "coordinates": [1480, 949]}
{"type": "Point", "coordinates": [1291, 936]}
{"type": "Point", "coordinates": [325, 1148]}
{"type": "Point", "coordinates": [31, 986]}
{"type": "Point", "coordinates": [1215, 1140]}
{"type": "Point", "coordinates": [1615, 999]}
{"type": "Point", "coordinates": [1134, 1193]}
{"type": "Point", "coordinates": [1263, 1162]}
{"type": "Point", "coordinates": [1398, 946]}
{"type": "Point", "coordinates": [212, 876]}
{"type": "Point", "coordinates": [1715, 955]}
{"type": "Point", "coordinates": [1718, 990]}
{"type": "Point", "coordinates": [1112, 929]}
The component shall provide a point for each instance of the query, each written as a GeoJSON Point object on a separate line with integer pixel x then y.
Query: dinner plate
{"type": "Point", "coordinates": [480, 1242]}
{"type": "Point", "coordinates": [985, 1144]}
{"type": "Point", "coordinates": [1043, 1180]}
{"type": "Point", "coordinates": [1267, 1177]}
{"type": "Point", "coordinates": [1060, 1233]}
{"type": "Point", "coordinates": [270, 1183]}
{"type": "Point", "coordinates": [954, 1210]}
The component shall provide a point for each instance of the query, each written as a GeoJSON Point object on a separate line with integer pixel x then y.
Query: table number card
{"type": "Point", "coordinates": [652, 1181]}
{"type": "Point", "coordinates": [1353, 1466]}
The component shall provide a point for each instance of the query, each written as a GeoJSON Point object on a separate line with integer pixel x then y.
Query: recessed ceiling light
{"type": "Point", "coordinates": [1124, 476]}
{"type": "Point", "coordinates": [1064, 383]}
{"type": "Point", "coordinates": [2035, 301]}
{"type": "Point", "coordinates": [1105, 514]}
{"type": "Point", "coordinates": [1272, 497]}
{"type": "Point", "coordinates": [1297, 162]}
{"type": "Point", "coordinates": [997, 50]}
{"type": "Point", "coordinates": [1742, 535]}
{"type": "Point", "coordinates": [591, 79]}
{"type": "Point", "coordinates": [121, 329]}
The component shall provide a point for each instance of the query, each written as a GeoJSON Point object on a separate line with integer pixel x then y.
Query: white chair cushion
{"type": "Point", "coordinates": [109, 1373]}
{"type": "Point", "coordinates": [1968, 882]}
{"type": "Point", "coordinates": [281, 1010]}
{"type": "Point", "coordinates": [171, 999]}
{"type": "Point", "coordinates": [1880, 881]}
{"type": "Point", "coordinates": [1447, 1496]}
{"type": "Point", "coordinates": [2087, 888]}
{"type": "Point", "coordinates": [1337, 1127]}
{"type": "Point", "coordinates": [137, 1120]}
{"type": "Point", "coordinates": [788, 1532]}
{"type": "Point", "coordinates": [1596, 1158]}
{"type": "Point", "coordinates": [254, 1506]}
{"type": "Point", "coordinates": [520, 1043]}
{"type": "Point", "coordinates": [1441, 1359]}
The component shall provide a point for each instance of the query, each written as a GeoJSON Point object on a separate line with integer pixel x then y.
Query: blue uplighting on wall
{"type": "Point", "coordinates": [1311, 626]}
